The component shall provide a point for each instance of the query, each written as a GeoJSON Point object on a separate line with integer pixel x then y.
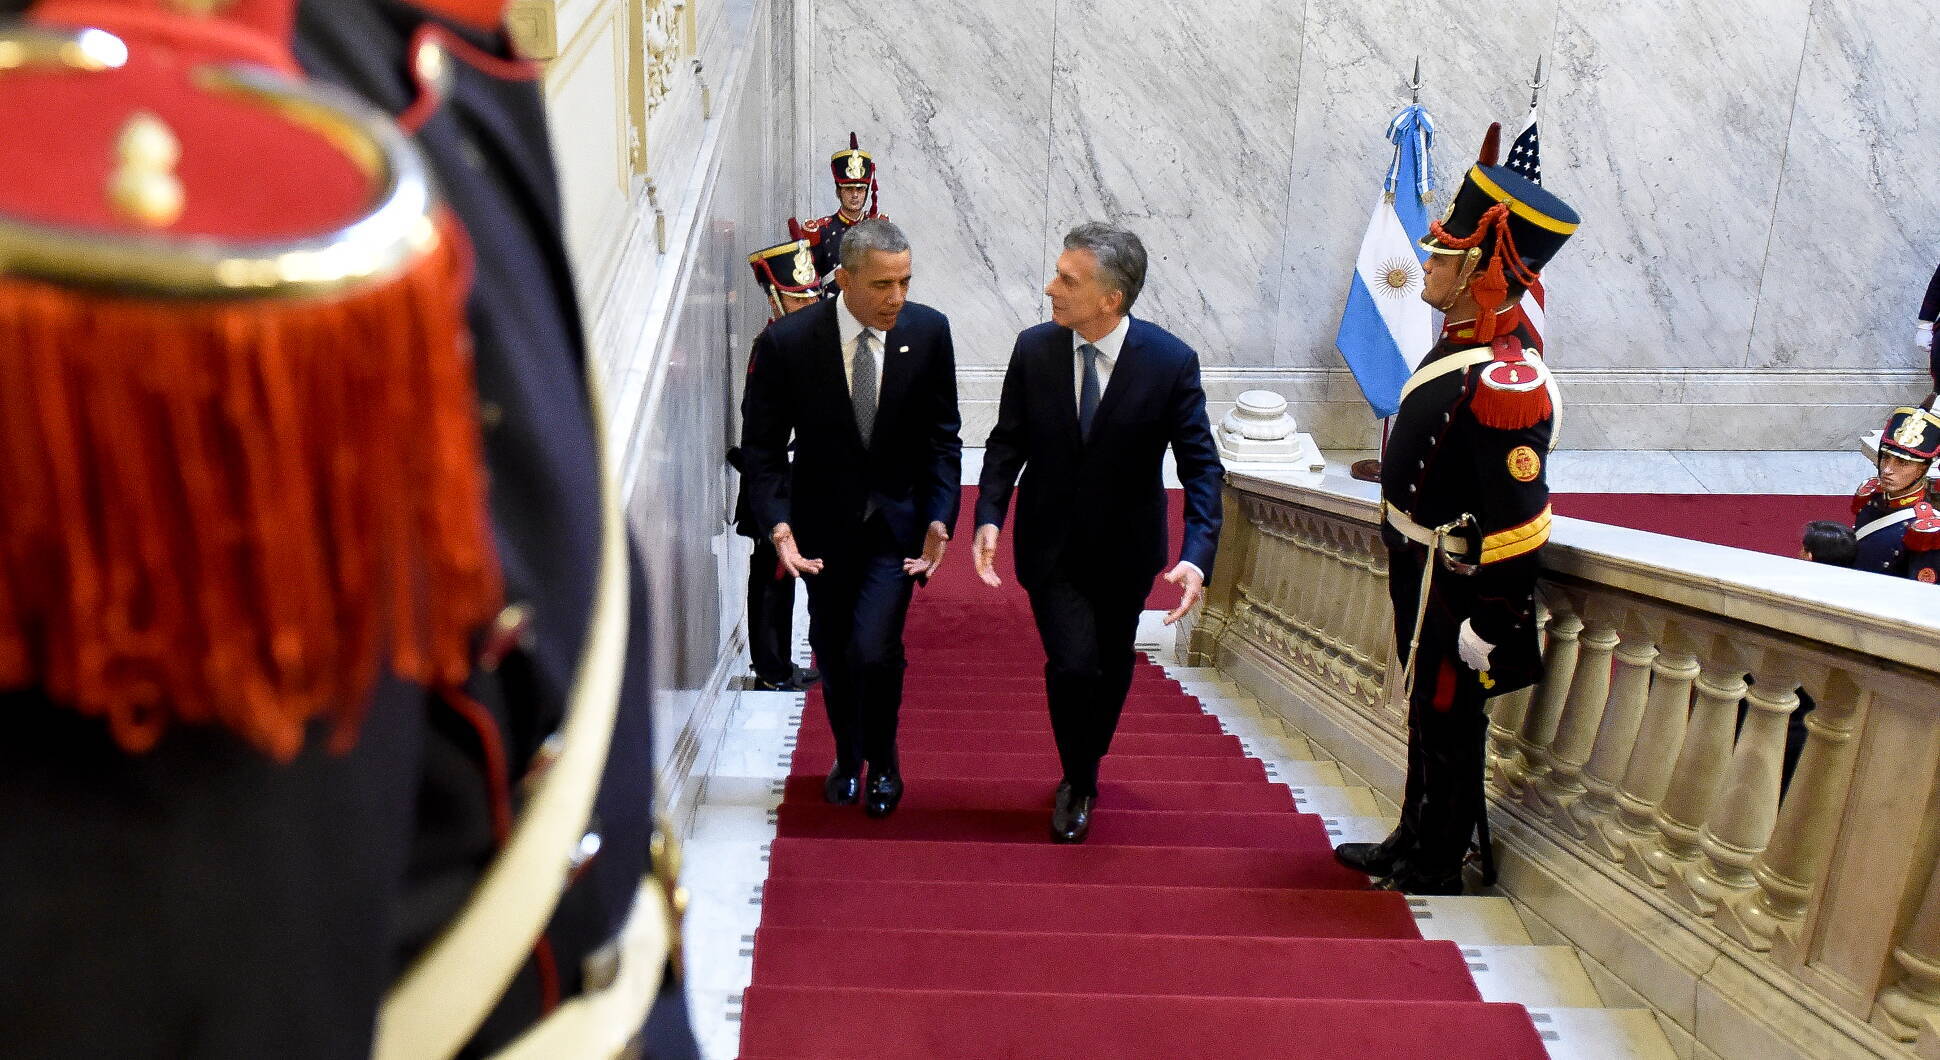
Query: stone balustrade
{"type": "Point", "coordinates": [1641, 788]}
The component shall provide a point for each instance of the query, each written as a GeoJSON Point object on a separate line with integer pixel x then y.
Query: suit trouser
{"type": "Point", "coordinates": [771, 615]}
{"type": "Point", "coordinates": [856, 608]}
{"type": "Point", "coordinates": [1447, 731]}
{"type": "Point", "coordinates": [1088, 630]}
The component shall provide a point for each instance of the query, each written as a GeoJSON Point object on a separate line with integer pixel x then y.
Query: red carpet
{"type": "Point", "coordinates": [1771, 524]}
{"type": "Point", "coordinates": [1204, 916]}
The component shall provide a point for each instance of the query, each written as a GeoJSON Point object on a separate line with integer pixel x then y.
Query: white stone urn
{"type": "Point", "coordinates": [1260, 433]}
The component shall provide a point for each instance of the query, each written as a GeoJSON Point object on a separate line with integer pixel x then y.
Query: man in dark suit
{"type": "Point", "coordinates": [866, 384]}
{"type": "Point", "coordinates": [1090, 402]}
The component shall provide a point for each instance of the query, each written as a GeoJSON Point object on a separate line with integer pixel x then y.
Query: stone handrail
{"type": "Point", "coordinates": [1628, 765]}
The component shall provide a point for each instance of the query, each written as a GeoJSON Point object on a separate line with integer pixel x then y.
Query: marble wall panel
{"type": "Point", "coordinates": [1857, 229]}
{"type": "Point", "coordinates": [1177, 128]}
{"type": "Point", "coordinates": [954, 103]}
{"type": "Point", "coordinates": [1665, 127]}
{"type": "Point", "coordinates": [1356, 62]}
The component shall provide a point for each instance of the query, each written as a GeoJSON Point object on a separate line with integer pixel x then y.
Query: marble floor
{"type": "Point", "coordinates": [1804, 472]}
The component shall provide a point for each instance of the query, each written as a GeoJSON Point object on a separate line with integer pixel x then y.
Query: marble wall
{"type": "Point", "coordinates": [1754, 174]}
{"type": "Point", "coordinates": [671, 331]}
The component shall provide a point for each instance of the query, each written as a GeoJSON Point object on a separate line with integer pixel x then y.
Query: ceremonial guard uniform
{"type": "Point", "coordinates": [786, 273]}
{"type": "Point", "coordinates": [327, 730]}
{"type": "Point", "coordinates": [1466, 509]}
{"type": "Point", "coordinates": [853, 169]}
{"type": "Point", "coordinates": [1900, 534]}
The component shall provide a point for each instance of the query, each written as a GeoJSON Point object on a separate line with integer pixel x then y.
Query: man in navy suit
{"type": "Point", "coordinates": [866, 383]}
{"type": "Point", "coordinates": [1090, 402]}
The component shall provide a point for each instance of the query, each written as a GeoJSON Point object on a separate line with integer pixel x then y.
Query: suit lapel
{"type": "Point", "coordinates": [897, 367]}
{"type": "Point", "coordinates": [1064, 385]}
{"type": "Point", "coordinates": [1131, 360]}
{"type": "Point", "coordinates": [828, 367]}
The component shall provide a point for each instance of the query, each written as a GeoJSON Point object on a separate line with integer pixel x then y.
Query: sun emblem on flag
{"type": "Point", "coordinates": [1397, 276]}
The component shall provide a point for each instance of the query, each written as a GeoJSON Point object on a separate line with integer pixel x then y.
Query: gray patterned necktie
{"type": "Point", "coordinates": [862, 388]}
{"type": "Point", "coordinates": [1088, 393]}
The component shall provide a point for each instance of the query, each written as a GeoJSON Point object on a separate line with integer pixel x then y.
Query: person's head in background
{"type": "Point", "coordinates": [1830, 543]}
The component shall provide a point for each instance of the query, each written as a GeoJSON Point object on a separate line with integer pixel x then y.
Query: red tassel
{"type": "Point", "coordinates": [1924, 534]}
{"type": "Point", "coordinates": [1509, 410]}
{"type": "Point", "coordinates": [236, 513]}
{"type": "Point", "coordinates": [1865, 495]}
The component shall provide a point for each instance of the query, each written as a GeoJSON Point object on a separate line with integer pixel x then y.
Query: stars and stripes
{"type": "Point", "coordinates": [1525, 159]}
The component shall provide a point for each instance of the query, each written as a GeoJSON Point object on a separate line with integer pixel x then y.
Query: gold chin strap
{"type": "Point", "coordinates": [1470, 258]}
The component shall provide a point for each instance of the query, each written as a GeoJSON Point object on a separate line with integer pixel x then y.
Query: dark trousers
{"type": "Point", "coordinates": [771, 616]}
{"type": "Point", "coordinates": [856, 608]}
{"type": "Point", "coordinates": [1088, 630]}
{"type": "Point", "coordinates": [1447, 731]}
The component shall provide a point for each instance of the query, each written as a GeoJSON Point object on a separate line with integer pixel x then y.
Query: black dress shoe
{"type": "Point", "coordinates": [1409, 880]}
{"type": "Point", "coordinates": [844, 785]}
{"type": "Point", "coordinates": [806, 677]}
{"type": "Point", "coordinates": [1375, 859]}
{"type": "Point", "coordinates": [1071, 818]}
{"type": "Point", "coordinates": [885, 791]}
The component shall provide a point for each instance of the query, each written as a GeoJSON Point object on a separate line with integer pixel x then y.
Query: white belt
{"type": "Point", "coordinates": [1903, 515]}
{"type": "Point", "coordinates": [1439, 544]}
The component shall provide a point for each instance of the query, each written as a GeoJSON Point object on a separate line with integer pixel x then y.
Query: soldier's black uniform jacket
{"type": "Point", "coordinates": [824, 234]}
{"type": "Point", "coordinates": [1474, 441]}
{"type": "Point", "coordinates": [203, 901]}
{"type": "Point", "coordinates": [1898, 538]}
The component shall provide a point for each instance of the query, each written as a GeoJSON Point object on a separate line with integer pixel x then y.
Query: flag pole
{"type": "Point", "coordinates": [1370, 470]}
{"type": "Point", "coordinates": [1536, 83]}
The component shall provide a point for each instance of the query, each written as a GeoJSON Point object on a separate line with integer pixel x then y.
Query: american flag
{"type": "Point", "coordinates": [1525, 159]}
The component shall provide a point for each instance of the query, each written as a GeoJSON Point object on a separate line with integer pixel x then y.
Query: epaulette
{"type": "Point", "coordinates": [1923, 534]}
{"type": "Point", "coordinates": [242, 460]}
{"type": "Point", "coordinates": [1865, 495]}
{"type": "Point", "coordinates": [810, 230]}
{"type": "Point", "coordinates": [1512, 390]}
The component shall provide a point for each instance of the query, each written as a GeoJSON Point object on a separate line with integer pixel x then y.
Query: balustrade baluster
{"type": "Point", "coordinates": [1698, 774]}
{"type": "Point", "coordinates": [1741, 823]}
{"type": "Point", "coordinates": [1372, 657]}
{"type": "Point", "coordinates": [1616, 737]}
{"type": "Point", "coordinates": [1627, 833]}
{"type": "Point", "coordinates": [1808, 822]}
{"type": "Point", "coordinates": [1546, 705]}
{"type": "Point", "coordinates": [1914, 999]}
{"type": "Point", "coordinates": [1561, 785]}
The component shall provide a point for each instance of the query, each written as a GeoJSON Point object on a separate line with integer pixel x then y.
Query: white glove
{"type": "Point", "coordinates": [1923, 336]}
{"type": "Point", "coordinates": [1474, 650]}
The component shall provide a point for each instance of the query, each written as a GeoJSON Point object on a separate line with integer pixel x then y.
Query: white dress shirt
{"type": "Point", "coordinates": [1108, 349]}
{"type": "Point", "coordinates": [849, 328]}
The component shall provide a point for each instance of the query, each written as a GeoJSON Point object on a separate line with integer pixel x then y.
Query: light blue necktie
{"type": "Point", "coordinates": [1088, 393]}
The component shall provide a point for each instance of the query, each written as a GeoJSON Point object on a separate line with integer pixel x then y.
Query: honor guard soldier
{"type": "Point", "coordinates": [1466, 509]}
{"type": "Point", "coordinates": [1896, 515]}
{"type": "Point", "coordinates": [786, 273]}
{"type": "Point", "coordinates": [855, 188]}
{"type": "Point", "coordinates": [321, 665]}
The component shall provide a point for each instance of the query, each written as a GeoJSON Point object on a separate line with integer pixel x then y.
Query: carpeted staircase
{"type": "Point", "coordinates": [1204, 917]}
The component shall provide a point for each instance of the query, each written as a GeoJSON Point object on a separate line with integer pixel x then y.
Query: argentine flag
{"type": "Point", "coordinates": [1387, 329]}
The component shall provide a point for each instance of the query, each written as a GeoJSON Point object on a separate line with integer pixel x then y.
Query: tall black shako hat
{"type": "Point", "coordinates": [853, 167]}
{"type": "Point", "coordinates": [786, 268]}
{"type": "Point", "coordinates": [1502, 225]}
{"type": "Point", "coordinates": [1912, 434]}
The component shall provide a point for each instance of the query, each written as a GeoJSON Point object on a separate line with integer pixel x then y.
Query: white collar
{"type": "Point", "coordinates": [1110, 345]}
{"type": "Point", "coordinates": [848, 327]}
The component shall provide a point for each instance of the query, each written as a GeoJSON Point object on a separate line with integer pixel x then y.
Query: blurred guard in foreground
{"type": "Point", "coordinates": [326, 729]}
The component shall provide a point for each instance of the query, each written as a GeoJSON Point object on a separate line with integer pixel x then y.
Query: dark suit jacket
{"type": "Point", "coordinates": [1098, 506]}
{"type": "Point", "coordinates": [910, 472]}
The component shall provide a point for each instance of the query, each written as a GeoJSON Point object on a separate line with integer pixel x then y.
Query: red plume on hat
{"type": "Point", "coordinates": [239, 439]}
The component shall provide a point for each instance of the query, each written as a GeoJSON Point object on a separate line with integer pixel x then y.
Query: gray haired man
{"type": "Point", "coordinates": [866, 384]}
{"type": "Point", "coordinates": [1090, 403]}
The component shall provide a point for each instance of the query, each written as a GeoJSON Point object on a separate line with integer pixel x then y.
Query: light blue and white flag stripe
{"type": "Point", "coordinates": [1387, 328]}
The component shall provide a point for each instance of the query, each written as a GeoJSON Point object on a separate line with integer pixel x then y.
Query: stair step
{"type": "Point", "coordinates": [1336, 800]}
{"type": "Point", "coordinates": [1280, 831]}
{"type": "Point", "coordinates": [892, 859]}
{"type": "Point", "coordinates": [1531, 975]}
{"type": "Point", "coordinates": [958, 793]}
{"type": "Point", "coordinates": [1601, 1034]}
{"type": "Point", "coordinates": [1471, 920]}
